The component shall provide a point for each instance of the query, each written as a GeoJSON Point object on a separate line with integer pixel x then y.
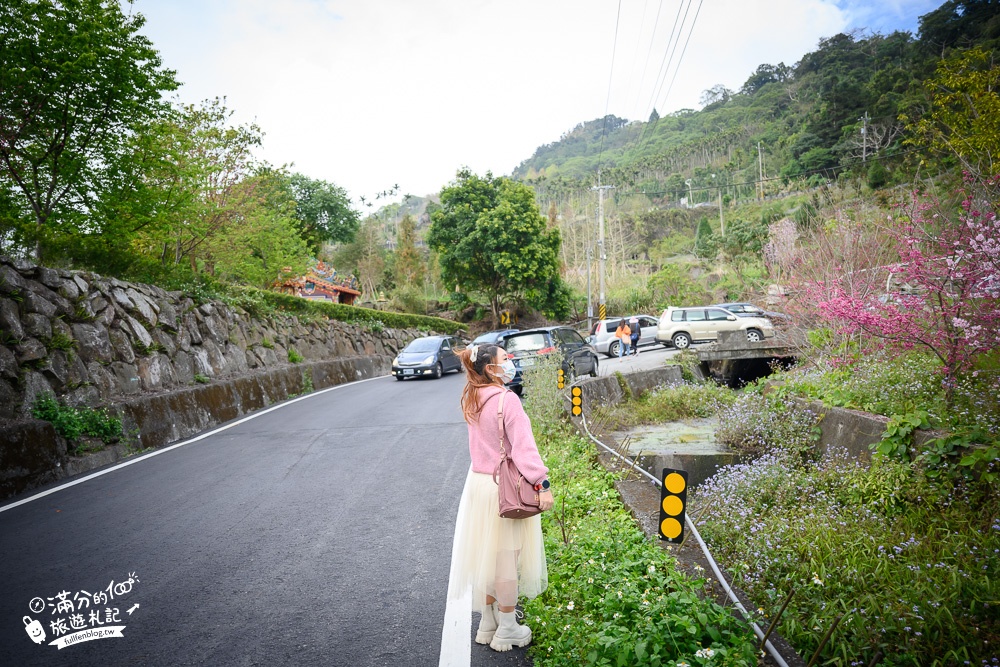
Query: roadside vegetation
{"type": "Point", "coordinates": [615, 596]}
{"type": "Point", "coordinates": [902, 555]}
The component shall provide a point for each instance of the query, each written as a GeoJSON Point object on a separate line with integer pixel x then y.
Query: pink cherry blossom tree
{"type": "Point", "coordinates": [943, 292]}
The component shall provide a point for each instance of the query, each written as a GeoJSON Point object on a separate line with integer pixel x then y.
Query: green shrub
{"type": "Point", "coordinates": [294, 357]}
{"type": "Point", "coordinates": [74, 423]}
{"type": "Point", "coordinates": [202, 379]}
{"type": "Point", "coordinates": [542, 395]}
{"type": "Point", "coordinates": [614, 596]}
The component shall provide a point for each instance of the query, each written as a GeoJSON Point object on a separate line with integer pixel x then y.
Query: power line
{"type": "Point", "coordinates": [607, 104]}
{"type": "Point", "coordinates": [664, 67]}
{"type": "Point", "coordinates": [683, 51]}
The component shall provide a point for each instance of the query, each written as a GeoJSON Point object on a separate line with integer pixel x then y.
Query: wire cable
{"type": "Point", "coordinates": [607, 104]}
{"type": "Point", "coordinates": [683, 51]}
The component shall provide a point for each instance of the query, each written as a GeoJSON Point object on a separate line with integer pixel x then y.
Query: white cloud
{"type": "Point", "coordinates": [368, 93]}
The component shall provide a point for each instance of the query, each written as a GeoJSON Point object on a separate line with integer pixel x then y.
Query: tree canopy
{"type": "Point", "coordinates": [77, 83]}
{"type": "Point", "coordinates": [492, 239]}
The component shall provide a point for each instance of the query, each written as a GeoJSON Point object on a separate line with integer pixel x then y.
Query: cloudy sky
{"type": "Point", "coordinates": [371, 93]}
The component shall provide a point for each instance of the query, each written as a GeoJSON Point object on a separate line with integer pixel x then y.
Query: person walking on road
{"type": "Point", "coordinates": [624, 335]}
{"type": "Point", "coordinates": [636, 331]}
{"type": "Point", "coordinates": [499, 558]}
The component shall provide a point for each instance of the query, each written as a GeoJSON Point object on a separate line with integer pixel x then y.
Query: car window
{"type": "Point", "coordinates": [677, 316]}
{"type": "Point", "coordinates": [611, 327]}
{"type": "Point", "coordinates": [696, 315]}
{"type": "Point", "coordinates": [572, 337]}
{"type": "Point", "coordinates": [526, 342]}
{"type": "Point", "coordinates": [485, 338]}
{"type": "Point", "coordinates": [647, 322]}
{"type": "Point", "coordinates": [446, 345]}
{"type": "Point", "coordinates": [715, 314]}
{"type": "Point", "coordinates": [423, 345]}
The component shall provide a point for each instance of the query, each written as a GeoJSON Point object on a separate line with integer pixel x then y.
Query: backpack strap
{"type": "Point", "coordinates": [500, 426]}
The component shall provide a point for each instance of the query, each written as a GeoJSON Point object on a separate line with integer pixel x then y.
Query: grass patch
{"type": "Point", "coordinates": [665, 404]}
{"type": "Point", "coordinates": [202, 379]}
{"type": "Point", "coordinates": [294, 357]}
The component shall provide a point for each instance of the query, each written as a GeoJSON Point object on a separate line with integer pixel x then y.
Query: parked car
{"type": "Point", "coordinates": [749, 310]}
{"type": "Point", "coordinates": [493, 337]}
{"type": "Point", "coordinates": [524, 347]}
{"type": "Point", "coordinates": [602, 335]}
{"type": "Point", "coordinates": [430, 355]}
{"type": "Point", "coordinates": [682, 326]}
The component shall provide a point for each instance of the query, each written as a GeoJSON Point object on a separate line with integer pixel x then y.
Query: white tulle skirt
{"type": "Point", "coordinates": [502, 558]}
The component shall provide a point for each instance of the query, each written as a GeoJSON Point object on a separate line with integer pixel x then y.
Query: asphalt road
{"type": "Point", "coordinates": [316, 534]}
{"type": "Point", "coordinates": [649, 357]}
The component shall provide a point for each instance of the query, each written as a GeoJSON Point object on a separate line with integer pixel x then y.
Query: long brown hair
{"type": "Point", "coordinates": [477, 377]}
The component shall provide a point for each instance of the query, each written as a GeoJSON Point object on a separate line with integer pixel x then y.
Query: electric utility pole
{"type": "Point", "coordinates": [864, 138]}
{"type": "Point", "coordinates": [602, 307]}
{"type": "Point", "coordinates": [760, 171]}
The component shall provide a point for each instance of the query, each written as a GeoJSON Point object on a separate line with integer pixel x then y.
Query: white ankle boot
{"type": "Point", "coordinates": [487, 625]}
{"type": "Point", "coordinates": [510, 633]}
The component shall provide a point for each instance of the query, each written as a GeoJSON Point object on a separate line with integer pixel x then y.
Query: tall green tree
{"type": "Point", "coordinates": [963, 118]}
{"type": "Point", "coordinates": [409, 265]}
{"type": "Point", "coordinates": [77, 81]}
{"type": "Point", "coordinates": [323, 210]}
{"type": "Point", "coordinates": [492, 239]}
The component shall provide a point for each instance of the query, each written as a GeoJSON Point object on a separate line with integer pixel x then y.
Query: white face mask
{"type": "Point", "coordinates": [508, 370]}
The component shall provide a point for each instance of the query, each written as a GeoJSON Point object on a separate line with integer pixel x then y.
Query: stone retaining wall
{"type": "Point", "coordinates": [167, 365]}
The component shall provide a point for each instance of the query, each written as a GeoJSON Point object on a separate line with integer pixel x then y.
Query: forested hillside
{"type": "Point", "coordinates": [853, 105]}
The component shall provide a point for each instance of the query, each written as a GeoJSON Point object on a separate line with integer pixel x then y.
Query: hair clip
{"type": "Point", "coordinates": [472, 353]}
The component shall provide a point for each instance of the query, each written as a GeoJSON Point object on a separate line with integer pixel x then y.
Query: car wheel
{"type": "Point", "coordinates": [682, 341]}
{"type": "Point", "coordinates": [593, 368]}
{"type": "Point", "coordinates": [754, 336]}
{"type": "Point", "coordinates": [613, 349]}
{"type": "Point", "coordinates": [438, 370]}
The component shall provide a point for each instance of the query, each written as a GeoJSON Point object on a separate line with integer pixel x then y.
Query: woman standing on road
{"type": "Point", "coordinates": [499, 558]}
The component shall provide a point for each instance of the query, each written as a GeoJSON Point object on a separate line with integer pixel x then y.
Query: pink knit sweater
{"type": "Point", "coordinates": [484, 437]}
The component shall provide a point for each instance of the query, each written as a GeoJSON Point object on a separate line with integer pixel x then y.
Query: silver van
{"type": "Point", "coordinates": [602, 335]}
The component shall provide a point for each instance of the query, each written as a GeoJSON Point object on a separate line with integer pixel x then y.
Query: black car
{"type": "Point", "coordinates": [493, 337]}
{"type": "Point", "coordinates": [524, 347]}
{"type": "Point", "coordinates": [428, 356]}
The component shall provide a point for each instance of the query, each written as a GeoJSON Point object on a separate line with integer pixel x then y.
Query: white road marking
{"type": "Point", "coordinates": [181, 444]}
{"type": "Point", "coordinates": [456, 635]}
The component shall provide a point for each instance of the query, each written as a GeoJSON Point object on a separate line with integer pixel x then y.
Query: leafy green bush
{"type": "Point", "coordinates": [542, 396]}
{"type": "Point", "coordinates": [294, 357]}
{"type": "Point", "coordinates": [73, 423]}
{"type": "Point", "coordinates": [914, 568]}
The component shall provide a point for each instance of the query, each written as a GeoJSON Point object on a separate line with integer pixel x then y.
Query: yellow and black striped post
{"type": "Point", "coordinates": [576, 398]}
{"type": "Point", "coordinates": [602, 311]}
{"type": "Point", "coordinates": [673, 502]}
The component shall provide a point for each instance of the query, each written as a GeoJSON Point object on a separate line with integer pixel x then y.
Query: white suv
{"type": "Point", "coordinates": [682, 326]}
{"type": "Point", "coordinates": [602, 336]}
